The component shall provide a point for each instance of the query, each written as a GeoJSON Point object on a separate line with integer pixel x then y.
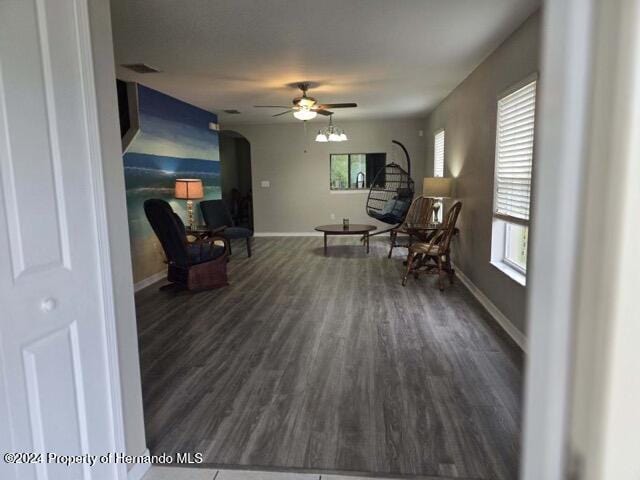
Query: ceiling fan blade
{"type": "Point", "coordinates": [323, 112]}
{"type": "Point", "coordinates": [272, 106]}
{"type": "Point", "coordinates": [338, 105]}
{"type": "Point", "coordinates": [282, 113]}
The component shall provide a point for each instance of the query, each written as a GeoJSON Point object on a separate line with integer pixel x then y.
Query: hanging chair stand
{"type": "Point", "coordinates": [391, 194]}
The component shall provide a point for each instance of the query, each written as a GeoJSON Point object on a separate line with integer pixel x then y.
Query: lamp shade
{"type": "Point", "coordinates": [438, 187]}
{"type": "Point", "coordinates": [321, 137]}
{"type": "Point", "coordinates": [189, 188]}
{"type": "Point", "coordinates": [304, 114]}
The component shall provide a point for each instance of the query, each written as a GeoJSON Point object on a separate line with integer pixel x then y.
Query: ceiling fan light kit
{"type": "Point", "coordinates": [306, 107]}
{"type": "Point", "coordinates": [305, 114]}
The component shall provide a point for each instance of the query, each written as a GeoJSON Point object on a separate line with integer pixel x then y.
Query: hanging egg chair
{"type": "Point", "coordinates": [391, 193]}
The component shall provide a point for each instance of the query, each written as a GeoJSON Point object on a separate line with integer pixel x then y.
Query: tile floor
{"type": "Point", "coordinates": [178, 473]}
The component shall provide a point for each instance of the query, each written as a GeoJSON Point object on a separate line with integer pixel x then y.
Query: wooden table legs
{"type": "Point", "coordinates": [366, 242]}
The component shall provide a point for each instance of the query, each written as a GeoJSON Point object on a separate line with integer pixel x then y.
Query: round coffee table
{"type": "Point", "coordinates": [352, 229]}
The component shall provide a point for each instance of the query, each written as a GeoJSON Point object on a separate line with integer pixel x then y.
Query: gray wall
{"type": "Point", "coordinates": [299, 196]}
{"type": "Point", "coordinates": [468, 115]}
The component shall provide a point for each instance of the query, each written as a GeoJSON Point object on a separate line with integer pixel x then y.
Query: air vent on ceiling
{"type": "Point", "coordinates": [232, 111]}
{"type": "Point", "coordinates": [141, 68]}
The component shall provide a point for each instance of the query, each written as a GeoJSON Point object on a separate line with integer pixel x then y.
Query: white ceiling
{"type": "Point", "coordinates": [392, 57]}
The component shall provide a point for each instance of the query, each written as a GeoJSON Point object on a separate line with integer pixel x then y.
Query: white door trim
{"type": "Point", "coordinates": [606, 389]}
{"type": "Point", "coordinates": [559, 173]}
{"type": "Point", "coordinates": [99, 198]}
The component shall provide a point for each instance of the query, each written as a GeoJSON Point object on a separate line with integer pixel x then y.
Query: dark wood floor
{"type": "Point", "coordinates": [329, 363]}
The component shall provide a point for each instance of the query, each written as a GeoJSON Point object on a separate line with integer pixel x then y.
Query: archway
{"type": "Point", "coordinates": [235, 176]}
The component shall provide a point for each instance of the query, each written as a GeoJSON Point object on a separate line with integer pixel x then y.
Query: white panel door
{"type": "Point", "coordinates": [55, 389]}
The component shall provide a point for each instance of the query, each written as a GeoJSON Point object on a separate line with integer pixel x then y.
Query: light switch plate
{"type": "Point", "coordinates": [265, 183]}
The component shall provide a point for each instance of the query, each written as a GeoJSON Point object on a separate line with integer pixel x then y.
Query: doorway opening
{"type": "Point", "coordinates": [235, 177]}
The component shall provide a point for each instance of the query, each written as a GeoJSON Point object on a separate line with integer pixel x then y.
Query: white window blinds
{"type": "Point", "coordinates": [438, 154]}
{"type": "Point", "coordinates": [514, 152]}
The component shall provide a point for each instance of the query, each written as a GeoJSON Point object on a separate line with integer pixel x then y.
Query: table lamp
{"type": "Point", "coordinates": [189, 189]}
{"type": "Point", "coordinates": [438, 188]}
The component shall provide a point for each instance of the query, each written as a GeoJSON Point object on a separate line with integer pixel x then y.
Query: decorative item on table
{"type": "Point", "coordinates": [345, 223]}
{"type": "Point", "coordinates": [189, 189]}
{"type": "Point", "coordinates": [438, 188]}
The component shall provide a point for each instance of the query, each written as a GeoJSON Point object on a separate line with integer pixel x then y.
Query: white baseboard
{"type": "Point", "coordinates": [300, 234]}
{"type": "Point", "coordinates": [149, 280]}
{"type": "Point", "coordinates": [138, 470]}
{"type": "Point", "coordinates": [287, 234]}
{"type": "Point", "coordinates": [500, 318]}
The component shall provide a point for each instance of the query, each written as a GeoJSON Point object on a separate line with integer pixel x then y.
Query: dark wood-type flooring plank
{"type": "Point", "coordinates": [328, 363]}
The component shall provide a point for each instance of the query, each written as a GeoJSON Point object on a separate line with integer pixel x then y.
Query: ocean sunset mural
{"type": "Point", "coordinates": [174, 141]}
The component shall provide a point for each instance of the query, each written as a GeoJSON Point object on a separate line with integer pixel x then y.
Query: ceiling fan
{"type": "Point", "coordinates": [305, 107]}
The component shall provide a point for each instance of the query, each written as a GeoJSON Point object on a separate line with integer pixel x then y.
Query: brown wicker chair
{"type": "Point", "coordinates": [435, 256]}
{"type": "Point", "coordinates": [419, 213]}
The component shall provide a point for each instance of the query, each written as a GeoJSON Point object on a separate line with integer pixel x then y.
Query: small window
{"type": "Point", "coordinates": [438, 154]}
{"type": "Point", "coordinates": [354, 171]}
{"type": "Point", "coordinates": [512, 185]}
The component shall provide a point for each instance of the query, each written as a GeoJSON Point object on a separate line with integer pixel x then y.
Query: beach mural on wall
{"type": "Point", "coordinates": [174, 141]}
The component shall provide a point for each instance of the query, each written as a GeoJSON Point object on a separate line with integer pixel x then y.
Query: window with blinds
{"type": "Point", "coordinates": [438, 154]}
{"type": "Point", "coordinates": [514, 153]}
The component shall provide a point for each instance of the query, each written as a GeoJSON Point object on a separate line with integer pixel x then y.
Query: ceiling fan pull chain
{"type": "Point", "coordinates": [306, 139]}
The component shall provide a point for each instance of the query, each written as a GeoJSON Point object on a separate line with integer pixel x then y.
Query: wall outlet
{"type": "Point", "coordinates": [333, 216]}
{"type": "Point", "coordinates": [265, 183]}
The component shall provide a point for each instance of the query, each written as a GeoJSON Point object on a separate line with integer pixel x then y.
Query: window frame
{"type": "Point", "coordinates": [348, 155]}
{"type": "Point", "coordinates": [499, 239]}
{"type": "Point", "coordinates": [501, 222]}
{"type": "Point", "coordinates": [507, 243]}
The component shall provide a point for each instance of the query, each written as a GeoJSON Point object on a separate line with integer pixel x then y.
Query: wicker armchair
{"type": "Point", "coordinates": [435, 256]}
{"type": "Point", "coordinates": [419, 213]}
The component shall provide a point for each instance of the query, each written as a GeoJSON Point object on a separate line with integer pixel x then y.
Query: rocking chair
{"type": "Point", "coordinates": [195, 265]}
{"type": "Point", "coordinates": [419, 213]}
{"type": "Point", "coordinates": [434, 256]}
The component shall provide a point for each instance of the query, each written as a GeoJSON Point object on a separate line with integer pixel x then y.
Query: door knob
{"type": "Point", "coordinates": [48, 304]}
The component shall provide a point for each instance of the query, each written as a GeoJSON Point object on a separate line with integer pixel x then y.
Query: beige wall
{"type": "Point", "coordinates": [299, 196]}
{"type": "Point", "coordinates": [468, 115]}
